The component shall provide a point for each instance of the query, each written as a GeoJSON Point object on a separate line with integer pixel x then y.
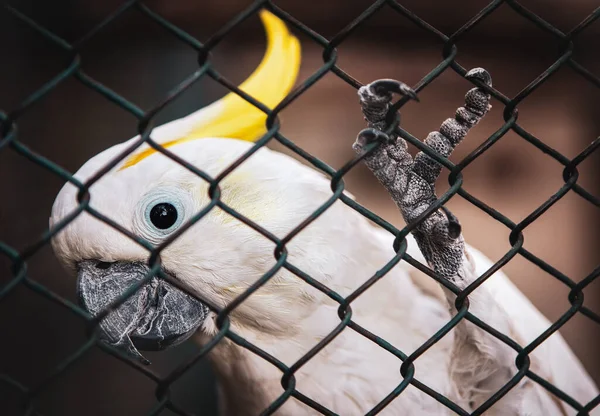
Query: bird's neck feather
{"type": "Point", "coordinates": [248, 383]}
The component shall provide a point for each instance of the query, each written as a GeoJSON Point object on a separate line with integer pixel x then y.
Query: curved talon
{"type": "Point", "coordinates": [454, 227]}
{"type": "Point", "coordinates": [371, 135]}
{"type": "Point", "coordinates": [387, 86]}
{"type": "Point", "coordinates": [481, 75]}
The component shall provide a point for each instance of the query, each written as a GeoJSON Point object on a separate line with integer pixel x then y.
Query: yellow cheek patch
{"type": "Point", "coordinates": [233, 116]}
{"type": "Point", "coordinates": [240, 192]}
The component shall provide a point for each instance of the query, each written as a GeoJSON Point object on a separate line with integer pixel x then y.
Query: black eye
{"type": "Point", "coordinates": [163, 215]}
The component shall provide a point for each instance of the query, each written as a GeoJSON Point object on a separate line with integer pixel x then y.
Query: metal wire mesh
{"type": "Point", "coordinates": [9, 141]}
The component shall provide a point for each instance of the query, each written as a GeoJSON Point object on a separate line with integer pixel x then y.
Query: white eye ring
{"type": "Point", "coordinates": [177, 198]}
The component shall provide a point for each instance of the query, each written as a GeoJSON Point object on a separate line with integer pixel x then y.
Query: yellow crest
{"type": "Point", "coordinates": [234, 117]}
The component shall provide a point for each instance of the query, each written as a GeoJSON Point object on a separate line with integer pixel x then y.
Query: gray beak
{"type": "Point", "coordinates": [155, 317]}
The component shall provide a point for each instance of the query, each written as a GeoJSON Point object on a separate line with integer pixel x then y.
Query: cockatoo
{"type": "Point", "coordinates": [219, 257]}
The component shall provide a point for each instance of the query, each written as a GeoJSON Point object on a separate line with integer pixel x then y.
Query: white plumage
{"type": "Point", "coordinates": [219, 257]}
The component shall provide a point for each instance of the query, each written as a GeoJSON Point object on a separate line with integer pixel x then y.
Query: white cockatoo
{"type": "Point", "coordinates": [219, 257]}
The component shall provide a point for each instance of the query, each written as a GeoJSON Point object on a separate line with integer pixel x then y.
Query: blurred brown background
{"type": "Point", "coordinates": [141, 61]}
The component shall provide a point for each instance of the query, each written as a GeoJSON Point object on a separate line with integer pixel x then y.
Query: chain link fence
{"type": "Point", "coordinates": [10, 142]}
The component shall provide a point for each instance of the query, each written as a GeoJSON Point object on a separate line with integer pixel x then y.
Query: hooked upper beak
{"type": "Point", "coordinates": [156, 316]}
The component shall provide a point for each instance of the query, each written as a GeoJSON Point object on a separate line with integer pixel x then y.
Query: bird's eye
{"type": "Point", "coordinates": [163, 215]}
{"type": "Point", "coordinates": [161, 211]}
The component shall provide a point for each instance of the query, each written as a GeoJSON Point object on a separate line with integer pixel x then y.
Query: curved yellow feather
{"type": "Point", "coordinates": [234, 117]}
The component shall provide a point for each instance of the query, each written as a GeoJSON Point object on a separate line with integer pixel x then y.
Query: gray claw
{"type": "Point", "coordinates": [370, 135]}
{"type": "Point", "coordinates": [387, 86]}
{"type": "Point", "coordinates": [454, 228]}
{"type": "Point", "coordinates": [481, 75]}
{"type": "Point", "coordinates": [411, 182]}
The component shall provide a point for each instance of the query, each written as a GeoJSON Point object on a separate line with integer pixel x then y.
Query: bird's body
{"type": "Point", "coordinates": [220, 257]}
{"type": "Point", "coordinates": [287, 317]}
